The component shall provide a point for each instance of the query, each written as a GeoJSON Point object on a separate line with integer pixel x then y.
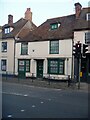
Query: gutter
{"type": "Point", "coordinates": [14, 56]}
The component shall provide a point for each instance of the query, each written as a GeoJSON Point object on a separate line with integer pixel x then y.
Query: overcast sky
{"type": "Point", "coordinates": [42, 10]}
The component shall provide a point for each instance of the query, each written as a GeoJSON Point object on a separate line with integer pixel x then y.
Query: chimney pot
{"type": "Point", "coordinates": [10, 19]}
{"type": "Point", "coordinates": [78, 8]}
{"type": "Point", "coordinates": [28, 14]}
{"type": "Point", "coordinates": [28, 9]}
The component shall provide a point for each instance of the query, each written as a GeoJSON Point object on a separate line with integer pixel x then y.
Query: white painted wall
{"type": "Point", "coordinates": [9, 55]}
{"type": "Point", "coordinates": [40, 50]}
{"type": "Point", "coordinates": [80, 36]}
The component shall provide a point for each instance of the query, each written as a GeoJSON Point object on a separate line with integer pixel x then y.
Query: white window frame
{"type": "Point", "coordinates": [87, 34]}
{"type": "Point", "coordinates": [24, 48]}
{"type": "Point", "coordinates": [3, 67]}
{"type": "Point", "coordinates": [87, 16]}
{"type": "Point", "coordinates": [55, 26]}
{"type": "Point", "coordinates": [3, 48]}
{"type": "Point", "coordinates": [7, 30]}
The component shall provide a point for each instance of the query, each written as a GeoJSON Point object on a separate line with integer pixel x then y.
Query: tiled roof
{"type": "Point", "coordinates": [17, 28]}
{"type": "Point", "coordinates": [82, 23]}
{"type": "Point", "coordinates": [44, 32]}
{"type": "Point", "coordinates": [24, 32]}
{"type": "Point", "coordinates": [67, 26]}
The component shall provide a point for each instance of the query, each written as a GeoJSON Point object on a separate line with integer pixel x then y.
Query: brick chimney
{"type": "Point", "coordinates": [28, 14]}
{"type": "Point", "coordinates": [78, 8]}
{"type": "Point", "coordinates": [10, 19]}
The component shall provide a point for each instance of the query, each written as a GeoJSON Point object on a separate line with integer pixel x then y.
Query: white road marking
{"type": "Point", "coordinates": [42, 102]}
{"type": "Point", "coordinates": [9, 116]}
{"type": "Point", "coordinates": [33, 106]}
{"type": "Point", "coordinates": [13, 93]}
{"type": "Point", "coordinates": [17, 94]}
{"type": "Point", "coordinates": [22, 110]}
{"type": "Point", "coordinates": [49, 99]}
{"type": "Point", "coordinates": [25, 95]}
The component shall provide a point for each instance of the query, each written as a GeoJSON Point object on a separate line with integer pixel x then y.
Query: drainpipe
{"type": "Point", "coordinates": [72, 66]}
{"type": "Point", "coordinates": [15, 39]}
{"type": "Point", "coordinates": [67, 66]}
{"type": "Point", "coordinates": [14, 56]}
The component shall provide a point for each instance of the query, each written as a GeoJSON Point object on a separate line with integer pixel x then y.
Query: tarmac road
{"type": "Point", "coordinates": [23, 101]}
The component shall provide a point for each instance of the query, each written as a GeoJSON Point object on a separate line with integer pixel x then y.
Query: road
{"type": "Point", "coordinates": [23, 101]}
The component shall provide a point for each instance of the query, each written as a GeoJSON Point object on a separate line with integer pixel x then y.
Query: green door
{"type": "Point", "coordinates": [40, 68]}
{"type": "Point", "coordinates": [21, 68]}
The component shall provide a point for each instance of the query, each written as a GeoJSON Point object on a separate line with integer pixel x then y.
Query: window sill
{"type": "Point", "coordinates": [4, 51]}
{"type": "Point", "coordinates": [53, 53]}
{"type": "Point", "coordinates": [24, 54]}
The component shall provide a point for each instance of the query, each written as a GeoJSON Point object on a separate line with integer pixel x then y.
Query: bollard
{"type": "Point", "coordinates": [6, 75]}
{"type": "Point", "coordinates": [69, 80]}
{"type": "Point", "coordinates": [18, 78]}
{"type": "Point", "coordinates": [32, 76]}
{"type": "Point", "coordinates": [48, 81]}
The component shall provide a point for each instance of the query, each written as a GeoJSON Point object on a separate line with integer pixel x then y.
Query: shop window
{"type": "Point", "coordinates": [56, 66]}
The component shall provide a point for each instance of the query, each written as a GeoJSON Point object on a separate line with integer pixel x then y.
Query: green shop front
{"type": "Point", "coordinates": [23, 67]}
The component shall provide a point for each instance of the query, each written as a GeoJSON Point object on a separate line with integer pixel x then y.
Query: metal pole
{"type": "Point", "coordinates": [72, 70]}
{"type": "Point", "coordinates": [79, 73]}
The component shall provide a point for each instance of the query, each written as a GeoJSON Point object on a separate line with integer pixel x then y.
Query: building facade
{"type": "Point", "coordinates": [50, 47]}
{"type": "Point", "coordinates": [44, 58]}
{"type": "Point", "coordinates": [82, 34]}
{"type": "Point", "coordinates": [10, 33]}
{"type": "Point", "coordinates": [47, 50]}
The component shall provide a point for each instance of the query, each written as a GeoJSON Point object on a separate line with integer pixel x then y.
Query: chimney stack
{"type": "Point", "coordinates": [28, 14]}
{"type": "Point", "coordinates": [10, 19]}
{"type": "Point", "coordinates": [78, 8]}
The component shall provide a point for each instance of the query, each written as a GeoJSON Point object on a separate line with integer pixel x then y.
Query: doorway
{"type": "Point", "coordinates": [39, 68]}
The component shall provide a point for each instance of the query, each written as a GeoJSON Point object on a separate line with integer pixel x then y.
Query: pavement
{"type": "Point", "coordinates": [48, 84]}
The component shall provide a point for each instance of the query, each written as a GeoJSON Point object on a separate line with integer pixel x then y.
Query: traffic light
{"type": "Point", "coordinates": [77, 50]}
{"type": "Point", "coordinates": [85, 49]}
{"type": "Point", "coordinates": [74, 50]}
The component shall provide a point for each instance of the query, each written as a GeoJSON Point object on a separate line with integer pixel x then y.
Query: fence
{"type": "Point", "coordinates": [49, 79]}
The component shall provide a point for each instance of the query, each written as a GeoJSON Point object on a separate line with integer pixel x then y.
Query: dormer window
{"type": "Point", "coordinates": [8, 30]}
{"type": "Point", "coordinates": [88, 16]}
{"type": "Point", "coordinates": [55, 26]}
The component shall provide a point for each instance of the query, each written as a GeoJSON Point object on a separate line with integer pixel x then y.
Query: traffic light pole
{"type": "Point", "coordinates": [79, 72]}
{"type": "Point", "coordinates": [77, 53]}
